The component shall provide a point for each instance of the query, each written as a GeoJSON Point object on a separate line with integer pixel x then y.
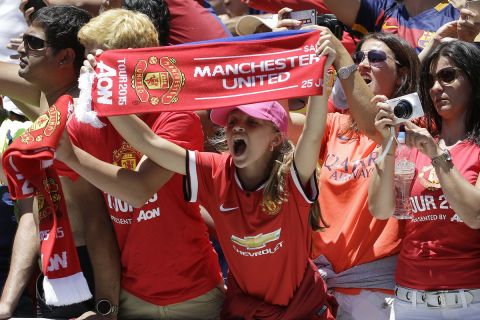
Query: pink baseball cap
{"type": "Point", "coordinates": [270, 111]}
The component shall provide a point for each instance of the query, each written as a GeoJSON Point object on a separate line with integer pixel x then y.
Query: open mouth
{"type": "Point", "coordinates": [366, 78]}
{"type": "Point", "coordinates": [239, 146]}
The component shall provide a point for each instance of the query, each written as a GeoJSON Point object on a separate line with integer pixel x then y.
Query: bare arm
{"type": "Point", "coordinates": [24, 255]}
{"type": "Point", "coordinates": [462, 197]}
{"type": "Point", "coordinates": [309, 143]}
{"type": "Point", "coordinates": [358, 94]}
{"type": "Point", "coordinates": [30, 111]}
{"type": "Point", "coordinates": [99, 236]}
{"type": "Point", "coordinates": [161, 151]}
{"type": "Point", "coordinates": [447, 32]}
{"type": "Point", "coordinates": [345, 10]}
{"type": "Point", "coordinates": [3, 178]}
{"type": "Point", "coordinates": [134, 187]}
{"type": "Point", "coordinates": [381, 189]}
{"type": "Point", "coordinates": [462, 29]}
{"type": "Point", "coordinates": [296, 121]}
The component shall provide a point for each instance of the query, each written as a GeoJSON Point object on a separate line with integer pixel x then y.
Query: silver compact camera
{"type": "Point", "coordinates": [406, 107]}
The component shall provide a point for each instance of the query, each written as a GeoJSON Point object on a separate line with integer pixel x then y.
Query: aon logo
{"type": "Point", "coordinates": [149, 214]}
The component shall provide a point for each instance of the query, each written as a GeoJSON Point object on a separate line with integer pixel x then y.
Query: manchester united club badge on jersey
{"type": "Point", "coordinates": [126, 156]}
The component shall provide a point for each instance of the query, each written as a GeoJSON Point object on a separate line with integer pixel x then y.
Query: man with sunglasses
{"type": "Point", "coordinates": [50, 58]}
{"type": "Point", "coordinates": [415, 21]}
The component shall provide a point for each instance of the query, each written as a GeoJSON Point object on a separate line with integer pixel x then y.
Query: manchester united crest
{"type": "Point", "coordinates": [52, 187]}
{"type": "Point", "coordinates": [157, 80]}
{"type": "Point", "coordinates": [44, 126]}
{"type": "Point", "coordinates": [126, 156]}
{"type": "Point", "coordinates": [428, 178]}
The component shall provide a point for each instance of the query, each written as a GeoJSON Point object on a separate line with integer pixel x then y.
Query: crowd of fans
{"type": "Point", "coordinates": [167, 209]}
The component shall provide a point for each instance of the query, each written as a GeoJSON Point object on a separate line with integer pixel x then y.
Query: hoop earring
{"type": "Point", "coordinates": [271, 147]}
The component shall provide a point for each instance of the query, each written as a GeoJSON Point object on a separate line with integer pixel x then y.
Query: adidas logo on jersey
{"type": "Point", "coordinates": [149, 214]}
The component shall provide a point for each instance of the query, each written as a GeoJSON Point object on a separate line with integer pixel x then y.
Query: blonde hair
{"type": "Point", "coordinates": [275, 193]}
{"type": "Point", "coordinates": [119, 29]}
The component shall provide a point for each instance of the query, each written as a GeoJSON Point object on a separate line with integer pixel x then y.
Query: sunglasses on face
{"type": "Point", "coordinates": [445, 76]}
{"type": "Point", "coordinates": [374, 56]}
{"type": "Point", "coordinates": [33, 43]}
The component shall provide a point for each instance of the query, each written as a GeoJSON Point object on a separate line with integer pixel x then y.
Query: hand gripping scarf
{"type": "Point", "coordinates": [28, 166]}
{"type": "Point", "coordinates": [205, 75]}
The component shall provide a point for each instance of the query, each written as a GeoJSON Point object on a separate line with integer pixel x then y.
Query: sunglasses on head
{"type": "Point", "coordinates": [445, 76]}
{"type": "Point", "coordinates": [31, 42]}
{"type": "Point", "coordinates": [373, 56]}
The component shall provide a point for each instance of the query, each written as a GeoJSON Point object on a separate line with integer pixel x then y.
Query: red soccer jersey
{"type": "Point", "coordinates": [191, 22]}
{"type": "Point", "coordinates": [267, 254]}
{"type": "Point", "coordinates": [165, 251]}
{"type": "Point", "coordinates": [439, 251]}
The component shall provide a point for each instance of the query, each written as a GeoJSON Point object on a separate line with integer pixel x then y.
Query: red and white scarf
{"type": "Point", "coordinates": [28, 167]}
{"type": "Point", "coordinates": [214, 74]}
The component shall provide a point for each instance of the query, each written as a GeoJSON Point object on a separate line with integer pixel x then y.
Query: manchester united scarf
{"type": "Point", "coordinates": [28, 167]}
{"type": "Point", "coordinates": [206, 75]}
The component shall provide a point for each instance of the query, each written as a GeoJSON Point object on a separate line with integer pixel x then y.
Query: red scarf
{"type": "Point", "coordinates": [28, 166]}
{"type": "Point", "coordinates": [227, 72]}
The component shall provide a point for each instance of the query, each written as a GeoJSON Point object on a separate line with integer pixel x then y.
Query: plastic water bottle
{"type": "Point", "coordinates": [404, 173]}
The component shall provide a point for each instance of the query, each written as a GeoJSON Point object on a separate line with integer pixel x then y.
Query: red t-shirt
{"type": "Point", "coordinates": [439, 251]}
{"type": "Point", "coordinates": [355, 236]}
{"type": "Point", "coordinates": [165, 250]}
{"type": "Point", "coordinates": [267, 254]}
{"type": "Point", "coordinates": [191, 22]}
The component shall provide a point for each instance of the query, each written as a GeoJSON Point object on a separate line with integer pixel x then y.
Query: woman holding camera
{"type": "Point", "coordinates": [438, 274]}
{"type": "Point", "coordinates": [358, 252]}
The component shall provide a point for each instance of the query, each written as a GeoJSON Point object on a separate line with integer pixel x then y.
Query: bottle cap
{"type": "Point", "coordinates": [401, 137]}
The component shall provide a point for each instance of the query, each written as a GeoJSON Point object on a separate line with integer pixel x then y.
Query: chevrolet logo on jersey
{"type": "Point", "coordinates": [258, 241]}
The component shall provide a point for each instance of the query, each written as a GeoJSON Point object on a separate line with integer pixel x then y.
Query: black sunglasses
{"type": "Point", "coordinates": [373, 56]}
{"type": "Point", "coordinates": [445, 76]}
{"type": "Point", "coordinates": [31, 42]}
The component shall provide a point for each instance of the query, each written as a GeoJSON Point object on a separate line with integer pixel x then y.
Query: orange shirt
{"type": "Point", "coordinates": [354, 236]}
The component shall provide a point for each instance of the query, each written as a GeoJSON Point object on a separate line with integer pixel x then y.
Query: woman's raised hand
{"type": "Point", "coordinates": [90, 63]}
{"type": "Point", "coordinates": [285, 22]}
{"type": "Point", "coordinates": [421, 139]}
{"type": "Point", "coordinates": [467, 27]}
{"type": "Point", "coordinates": [327, 45]}
{"type": "Point", "coordinates": [384, 118]}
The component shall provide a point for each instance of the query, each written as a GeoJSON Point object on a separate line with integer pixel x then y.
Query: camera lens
{"type": "Point", "coordinates": [331, 22]}
{"type": "Point", "coordinates": [403, 109]}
